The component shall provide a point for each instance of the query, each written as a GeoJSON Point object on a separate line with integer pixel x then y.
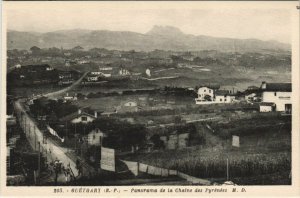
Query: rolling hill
{"type": "Point", "coordinates": [159, 37]}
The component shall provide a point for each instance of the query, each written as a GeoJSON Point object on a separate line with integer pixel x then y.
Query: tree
{"type": "Point", "coordinates": [158, 143]}
{"type": "Point", "coordinates": [35, 49]}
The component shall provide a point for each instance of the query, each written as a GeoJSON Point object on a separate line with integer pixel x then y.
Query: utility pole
{"type": "Point", "coordinates": [227, 169]}
{"type": "Point", "coordinates": [24, 124]}
{"type": "Point", "coordinates": [34, 137]}
{"type": "Point", "coordinates": [67, 135]}
{"type": "Point", "coordinates": [39, 162]}
{"type": "Point", "coordinates": [75, 138]}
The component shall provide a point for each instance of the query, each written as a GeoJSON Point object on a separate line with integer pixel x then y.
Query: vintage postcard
{"type": "Point", "coordinates": [150, 98]}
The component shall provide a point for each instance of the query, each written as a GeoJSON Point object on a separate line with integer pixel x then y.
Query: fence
{"type": "Point", "coordinates": [136, 168]}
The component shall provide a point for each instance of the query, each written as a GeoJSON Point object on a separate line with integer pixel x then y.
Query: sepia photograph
{"type": "Point", "coordinates": [149, 94]}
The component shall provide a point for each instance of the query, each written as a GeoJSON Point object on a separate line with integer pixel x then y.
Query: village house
{"type": "Point", "coordinates": [252, 94]}
{"type": "Point", "coordinates": [92, 78]}
{"type": "Point", "coordinates": [66, 77]}
{"type": "Point", "coordinates": [100, 74]}
{"type": "Point", "coordinates": [79, 117]}
{"type": "Point", "coordinates": [224, 96]}
{"type": "Point", "coordinates": [81, 62]}
{"type": "Point", "coordinates": [212, 94]}
{"type": "Point", "coordinates": [124, 72]}
{"type": "Point", "coordinates": [67, 97]}
{"type": "Point", "coordinates": [105, 68]}
{"type": "Point", "coordinates": [279, 94]}
{"type": "Point", "coordinates": [64, 74]}
{"type": "Point", "coordinates": [95, 137]}
{"type": "Point", "coordinates": [205, 94]}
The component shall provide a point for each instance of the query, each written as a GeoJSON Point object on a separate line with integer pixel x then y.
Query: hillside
{"type": "Point", "coordinates": [159, 37]}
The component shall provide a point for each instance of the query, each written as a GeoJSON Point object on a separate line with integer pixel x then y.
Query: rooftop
{"type": "Point", "coordinates": [75, 115]}
{"type": "Point", "coordinates": [266, 104]}
{"type": "Point", "coordinates": [287, 87]}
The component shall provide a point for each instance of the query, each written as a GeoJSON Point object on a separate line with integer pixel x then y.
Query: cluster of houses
{"type": "Point", "coordinates": [106, 72]}
{"type": "Point", "coordinates": [269, 96]}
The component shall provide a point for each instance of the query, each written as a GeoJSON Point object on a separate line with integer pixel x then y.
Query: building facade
{"type": "Point", "coordinates": [279, 94]}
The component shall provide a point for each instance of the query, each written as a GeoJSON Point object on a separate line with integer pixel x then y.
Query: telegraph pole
{"type": "Point", "coordinates": [227, 169]}
{"type": "Point", "coordinates": [34, 137]}
{"type": "Point", "coordinates": [75, 138]}
{"type": "Point", "coordinates": [39, 161]}
{"type": "Point", "coordinates": [67, 135]}
{"type": "Point", "coordinates": [24, 122]}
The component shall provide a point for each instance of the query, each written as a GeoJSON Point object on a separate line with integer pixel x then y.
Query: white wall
{"type": "Point", "coordinates": [265, 108]}
{"type": "Point", "coordinates": [280, 99]}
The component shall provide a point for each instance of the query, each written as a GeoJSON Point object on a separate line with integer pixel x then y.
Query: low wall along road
{"type": "Point", "coordinates": [136, 167]}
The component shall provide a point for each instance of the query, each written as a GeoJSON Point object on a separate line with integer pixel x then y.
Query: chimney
{"type": "Point", "coordinates": [95, 114]}
{"type": "Point", "coordinates": [79, 111]}
{"type": "Point", "coordinates": [263, 85]}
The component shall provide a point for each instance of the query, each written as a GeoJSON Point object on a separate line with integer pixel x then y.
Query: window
{"type": "Point", "coordinates": [83, 118]}
{"type": "Point", "coordinates": [94, 137]}
{"type": "Point", "coordinates": [209, 91]}
{"type": "Point", "coordinates": [225, 99]}
{"type": "Point", "coordinates": [204, 90]}
{"type": "Point", "coordinates": [220, 99]}
{"type": "Point", "coordinates": [275, 93]}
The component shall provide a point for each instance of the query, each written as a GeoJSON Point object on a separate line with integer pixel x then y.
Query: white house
{"type": "Point", "coordinates": [69, 98]}
{"type": "Point", "coordinates": [105, 68]}
{"type": "Point", "coordinates": [99, 73]}
{"type": "Point", "coordinates": [18, 66]}
{"type": "Point", "coordinates": [204, 94]}
{"type": "Point", "coordinates": [95, 137]}
{"type": "Point", "coordinates": [124, 72]}
{"type": "Point", "coordinates": [224, 96]}
{"type": "Point", "coordinates": [80, 117]}
{"type": "Point", "coordinates": [279, 94]}
{"type": "Point", "coordinates": [130, 104]}
{"type": "Point", "coordinates": [250, 97]}
{"type": "Point", "coordinates": [92, 78]}
{"type": "Point", "coordinates": [209, 95]}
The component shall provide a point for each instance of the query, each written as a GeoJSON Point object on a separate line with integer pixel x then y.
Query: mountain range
{"type": "Point", "coordinates": [159, 37]}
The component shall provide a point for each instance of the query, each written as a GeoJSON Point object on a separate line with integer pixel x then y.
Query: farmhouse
{"type": "Point", "coordinates": [279, 94]}
{"type": "Point", "coordinates": [99, 73]}
{"type": "Point", "coordinates": [224, 96]}
{"type": "Point", "coordinates": [124, 72]}
{"type": "Point", "coordinates": [205, 94]}
{"type": "Point", "coordinates": [212, 94]}
{"type": "Point", "coordinates": [95, 137]}
{"type": "Point", "coordinates": [130, 104]}
{"type": "Point", "coordinates": [92, 78]}
{"type": "Point", "coordinates": [79, 117]}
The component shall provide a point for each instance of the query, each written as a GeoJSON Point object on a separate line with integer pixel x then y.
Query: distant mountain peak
{"type": "Point", "coordinates": [165, 31]}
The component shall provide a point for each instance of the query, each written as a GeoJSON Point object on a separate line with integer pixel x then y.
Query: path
{"type": "Point", "coordinates": [36, 136]}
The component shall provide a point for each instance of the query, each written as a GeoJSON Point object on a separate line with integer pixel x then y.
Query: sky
{"type": "Point", "coordinates": [264, 24]}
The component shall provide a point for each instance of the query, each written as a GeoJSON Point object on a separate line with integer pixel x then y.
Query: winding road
{"type": "Point", "coordinates": [36, 137]}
